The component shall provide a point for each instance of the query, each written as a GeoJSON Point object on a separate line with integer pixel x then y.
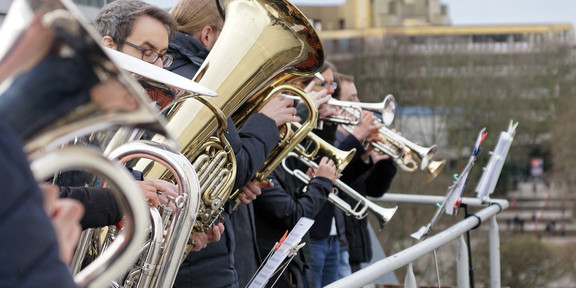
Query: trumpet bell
{"type": "Point", "coordinates": [58, 83]}
{"type": "Point", "coordinates": [434, 168]}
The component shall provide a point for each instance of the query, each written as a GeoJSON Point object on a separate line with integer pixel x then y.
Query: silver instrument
{"type": "Point", "coordinates": [360, 210]}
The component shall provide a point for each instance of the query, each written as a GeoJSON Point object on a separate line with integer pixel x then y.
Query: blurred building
{"type": "Point", "coordinates": [361, 14]}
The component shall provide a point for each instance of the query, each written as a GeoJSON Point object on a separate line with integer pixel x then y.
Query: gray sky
{"type": "Point", "coordinates": [471, 12]}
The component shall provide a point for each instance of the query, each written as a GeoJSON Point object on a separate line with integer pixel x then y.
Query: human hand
{"type": "Point", "coordinates": [111, 95]}
{"type": "Point", "coordinates": [249, 193]}
{"type": "Point", "coordinates": [215, 232]}
{"type": "Point", "coordinates": [368, 127]}
{"type": "Point", "coordinates": [280, 109]}
{"type": "Point", "coordinates": [321, 99]}
{"type": "Point", "coordinates": [148, 190]}
{"type": "Point", "coordinates": [326, 168]}
{"type": "Point", "coordinates": [199, 241]}
{"type": "Point", "coordinates": [164, 189]}
{"type": "Point", "coordinates": [65, 215]}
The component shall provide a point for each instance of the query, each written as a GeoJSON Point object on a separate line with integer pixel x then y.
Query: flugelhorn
{"type": "Point", "coordinates": [260, 39]}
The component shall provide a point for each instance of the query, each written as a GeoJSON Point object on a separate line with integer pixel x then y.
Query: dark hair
{"type": "Point", "coordinates": [327, 65]}
{"type": "Point", "coordinates": [117, 18]}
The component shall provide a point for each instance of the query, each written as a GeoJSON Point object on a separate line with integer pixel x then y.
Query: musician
{"type": "Point", "coordinates": [251, 145]}
{"type": "Point", "coordinates": [143, 31]}
{"type": "Point", "coordinates": [280, 207]}
{"type": "Point", "coordinates": [370, 174]}
{"type": "Point", "coordinates": [324, 248]}
{"type": "Point", "coordinates": [37, 244]}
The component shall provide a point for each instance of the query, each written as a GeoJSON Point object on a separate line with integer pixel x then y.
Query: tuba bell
{"type": "Point", "coordinates": [68, 83]}
{"type": "Point", "coordinates": [259, 39]}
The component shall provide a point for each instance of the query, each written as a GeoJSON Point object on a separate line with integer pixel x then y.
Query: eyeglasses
{"type": "Point", "coordinates": [152, 56]}
{"type": "Point", "coordinates": [334, 85]}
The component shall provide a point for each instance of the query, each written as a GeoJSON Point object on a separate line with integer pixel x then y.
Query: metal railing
{"type": "Point", "coordinates": [405, 257]}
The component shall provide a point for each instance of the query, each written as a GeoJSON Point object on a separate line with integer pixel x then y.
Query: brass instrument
{"type": "Point", "coordinates": [259, 39]}
{"type": "Point", "coordinates": [168, 242]}
{"type": "Point", "coordinates": [122, 252]}
{"type": "Point", "coordinates": [316, 146]}
{"type": "Point", "coordinates": [360, 210]}
{"type": "Point", "coordinates": [408, 155]}
{"type": "Point", "coordinates": [61, 87]}
{"type": "Point", "coordinates": [288, 138]}
{"type": "Point", "coordinates": [69, 81]}
{"type": "Point", "coordinates": [353, 110]}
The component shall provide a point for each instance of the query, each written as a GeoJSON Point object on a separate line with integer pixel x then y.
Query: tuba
{"type": "Point", "coordinates": [58, 84]}
{"type": "Point", "coordinates": [259, 39]}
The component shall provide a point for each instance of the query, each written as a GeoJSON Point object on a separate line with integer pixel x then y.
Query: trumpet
{"type": "Point", "coordinates": [360, 210]}
{"type": "Point", "coordinates": [408, 155]}
{"type": "Point", "coordinates": [386, 108]}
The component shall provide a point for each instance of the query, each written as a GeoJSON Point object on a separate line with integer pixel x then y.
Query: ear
{"type": "Point", "coordinates": [206, 36]}
{"type": "Point", "coordinates": [107, 41]}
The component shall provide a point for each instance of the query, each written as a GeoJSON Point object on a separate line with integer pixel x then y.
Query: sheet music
{"type": "Point", "coordinates": [292, 240]}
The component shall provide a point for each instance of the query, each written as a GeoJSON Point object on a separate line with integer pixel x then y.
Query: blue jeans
{"type": "Point", "coordinates": [344, 265]}
{"type": "Point", "coordinates": [325, 255]}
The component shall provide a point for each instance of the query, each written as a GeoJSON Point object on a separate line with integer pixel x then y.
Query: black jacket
{"type": "Point", "coordinates": [368, 179]}
{"type": "Point", "coordinates": [30, 249]}
{"type": "Point", "coordinates": [278, 209]}
{"type": "Point", "coordinates": [252, 144]}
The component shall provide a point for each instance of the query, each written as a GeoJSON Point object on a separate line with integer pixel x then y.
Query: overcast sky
{"type": "Point", "coordinates": [471, 12]}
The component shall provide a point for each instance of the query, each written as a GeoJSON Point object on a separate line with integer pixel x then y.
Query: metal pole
{"type": "Point", "coordinates": [369, 274]}
{"type": "Point", "coordinates": [494, 254]}
{"type": "Point", "coordinates": [462, 261]}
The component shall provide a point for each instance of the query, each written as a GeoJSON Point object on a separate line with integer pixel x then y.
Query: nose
{"type": "Point", "coordinates": [159, 62]}
{"type": "Point", "coordinates": [330, 90]}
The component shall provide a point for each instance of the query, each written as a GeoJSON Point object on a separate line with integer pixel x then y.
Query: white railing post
{"type": "Point", "coordinates": [410, 279]}
{"type": "Point", "coordinates": [494, 254]}
{"type": "Point", "coordinates": [462, 264]}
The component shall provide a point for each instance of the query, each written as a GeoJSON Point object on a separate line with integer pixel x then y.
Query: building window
{"type": "Point", "coordinates": [317, 24]}
{"type": "Point", "coordinates": [392, 8]}
{"type": "Point", "coordinates": [342, 24]}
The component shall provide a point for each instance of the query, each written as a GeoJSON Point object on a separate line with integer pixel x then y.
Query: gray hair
{"type": "Point", "coordinates": [116, 19]}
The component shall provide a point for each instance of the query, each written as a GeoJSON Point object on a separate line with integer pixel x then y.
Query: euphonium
{"type": "Point", "coordinates": [60, 86]}
{"type": "Point", "coordinates": [67, 87]}
{"type": "Point", "coordinates": [259, 39]}
{"type": "Point", "coordinates": [168, 242]}
{"type": "Point", "coordinates": [122, 252]}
